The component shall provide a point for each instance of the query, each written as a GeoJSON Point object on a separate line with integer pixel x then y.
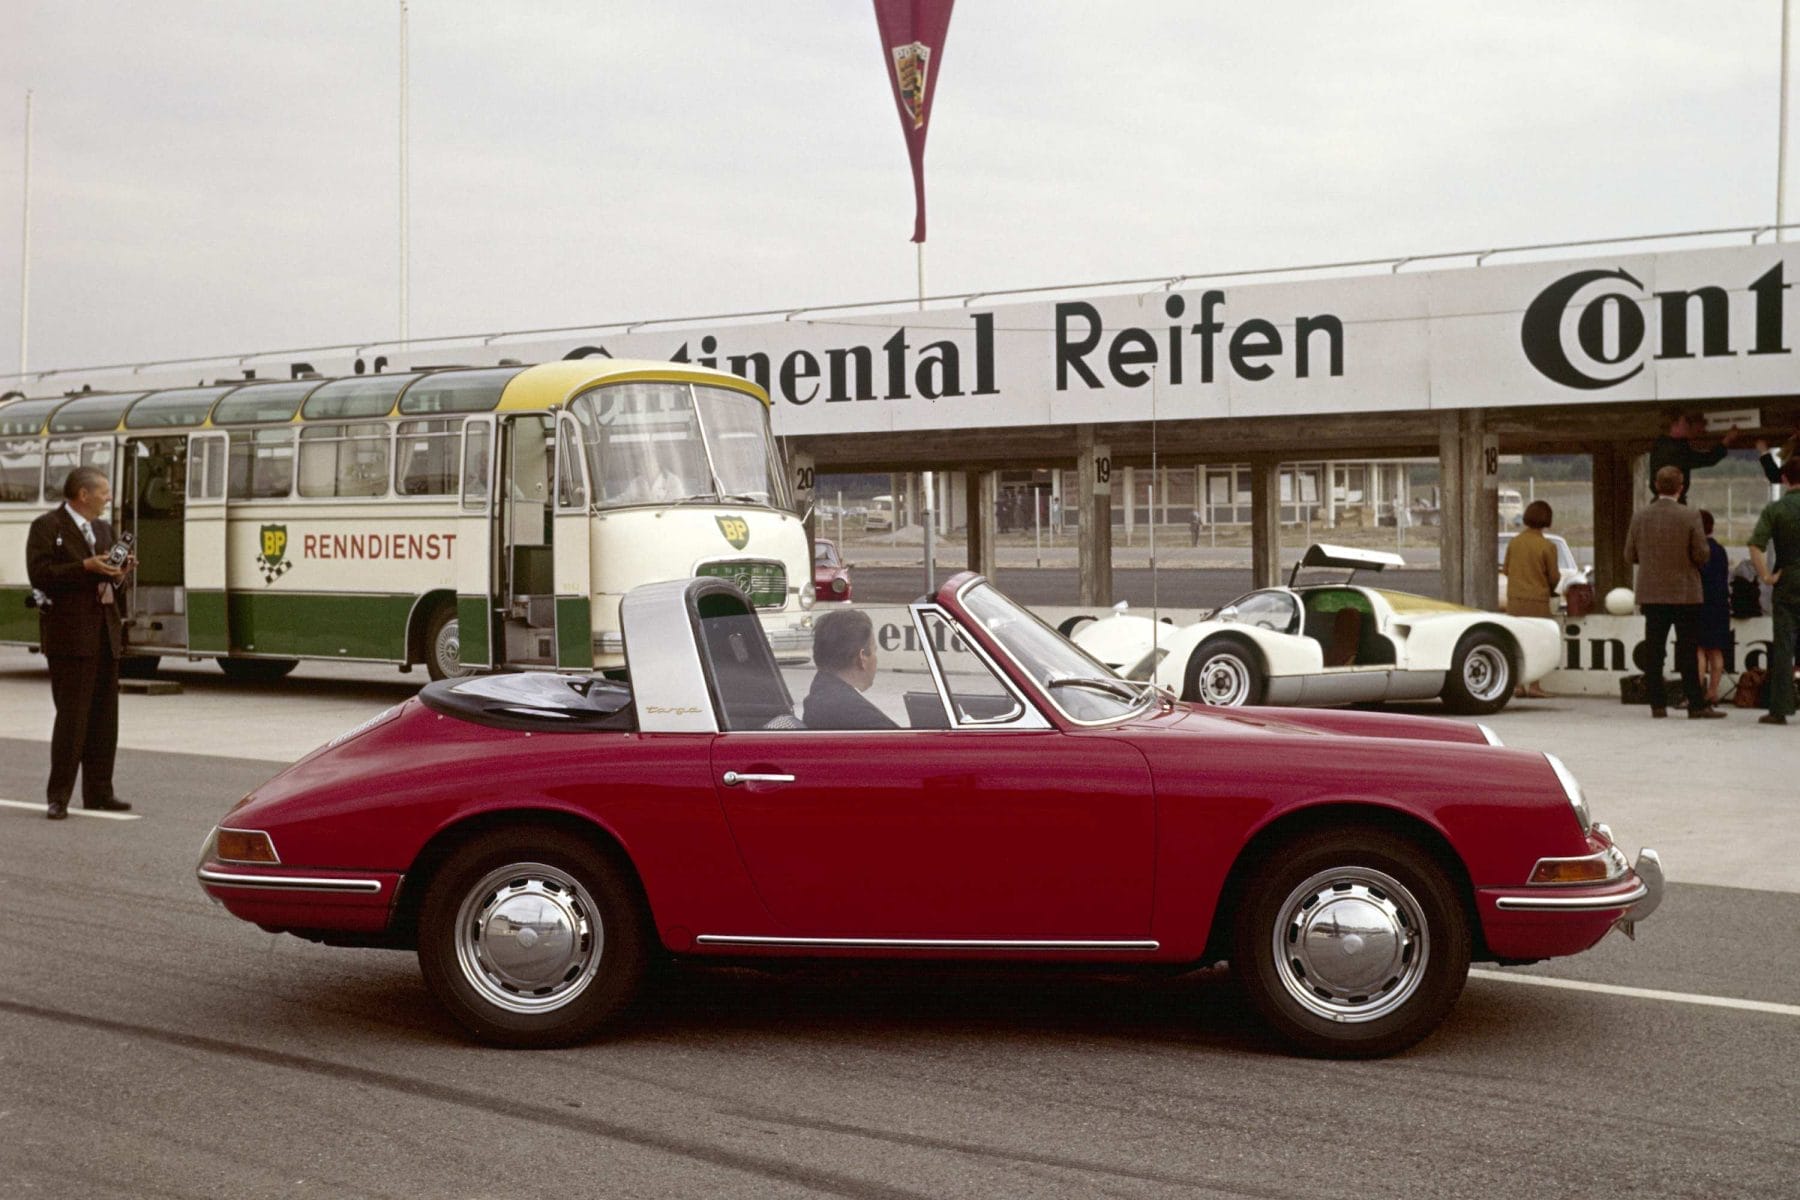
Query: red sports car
{"type": "Point", "coordinates": [537, 838]}
{"type": "Point", "coordinates": [831, 574]}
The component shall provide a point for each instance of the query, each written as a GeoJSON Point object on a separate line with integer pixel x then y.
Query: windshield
{"type": "Point", "coordinates": [1053, 661]}
{"type": "Point", "coordinates": [666, 442]}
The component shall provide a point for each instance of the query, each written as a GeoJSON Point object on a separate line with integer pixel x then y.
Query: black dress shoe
{"type": "Point", "coordinates": [1772, 719]}
{"type": "Point", "coordinates": [1659, 711]}
{"type": "Point", "coordinates": [58, 812]}
{"type": "Point", "coordinates": [1705, 714]}
{"type": "Point", "coordinates": [113, 805]}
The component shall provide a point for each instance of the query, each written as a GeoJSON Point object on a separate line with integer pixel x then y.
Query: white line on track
{"type": "Point", "coordinates": [1611, 989]}
{"type": "Point", "coordinates": [75, 810]}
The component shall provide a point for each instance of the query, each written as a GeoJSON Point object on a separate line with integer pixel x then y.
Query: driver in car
{"type": "Point", "coordinates": [844, 652]}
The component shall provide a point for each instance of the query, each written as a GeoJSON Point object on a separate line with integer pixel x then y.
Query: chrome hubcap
{"type": "Point", "coordinates": [448, 650]}
{"type": "Point", "coordinates": [1224, 680]}
{"type": "Point", "coordinates": [1351, 944]}
{"type": "Point", "coordinates": [1486, 673]}
{"type": "Point", "coordinates": [529, 938]}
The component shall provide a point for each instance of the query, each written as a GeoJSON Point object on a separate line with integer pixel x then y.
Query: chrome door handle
{"type": "Point", "coordinates": [733, 778]}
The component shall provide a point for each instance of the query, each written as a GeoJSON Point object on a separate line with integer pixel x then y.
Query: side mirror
{"type": "Point", "coordinates": [1228, 613]}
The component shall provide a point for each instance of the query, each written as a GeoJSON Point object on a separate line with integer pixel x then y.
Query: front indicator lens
{"type": "Point", "coordinates": [245, 846]}
{"type": "Point", "coordinates": [1604, 867]}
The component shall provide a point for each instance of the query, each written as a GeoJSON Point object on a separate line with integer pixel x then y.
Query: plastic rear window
{"type": "Point", "coordinates": [367, 396]}
{"type": "Point", "coordinates": [262, 402]}
{"type": "Point", "coordinates": [173, 410]}
{"type": "Point", "coordinates": [25, 416]}
{"type": "Point", "coordinates": [90, 414]}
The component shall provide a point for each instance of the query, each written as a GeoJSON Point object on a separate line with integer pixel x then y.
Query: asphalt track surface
{"type": "Point", "coordinates": [153, 1046]}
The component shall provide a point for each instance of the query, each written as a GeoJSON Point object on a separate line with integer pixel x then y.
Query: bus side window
{"type": "Point", "coordinates": [20, 464]}
{"type": "Point", "coordinates": [262, 464]}
{"type": "Point", "coordinates": [426, 457]}
{"type": "Point", "coordinates": [344, 460]}
{"type": "Point", "coordinates": [476, 448]}
{"type": "Point", "coordinates": [571, 492]}
{"type": "Point", "coordinates": [59, 459]}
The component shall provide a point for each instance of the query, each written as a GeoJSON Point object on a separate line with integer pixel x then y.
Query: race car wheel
{"type": "Point", "coordinates": [1351, 943]}
{"type": "Point", "coordinates": [1226, 673]}
{"type": "Point", "coordinates": [443, 644]}
{"type": "Point", "coordinates": [1071, 624]}
{"type": "Point", "coordinates": [531, 938]}
{"type": "Point", "coordinates": [1481, 674]}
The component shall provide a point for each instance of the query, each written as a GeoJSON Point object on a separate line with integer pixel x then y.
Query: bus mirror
{"type": "Point", "coordinates": [300, 370]}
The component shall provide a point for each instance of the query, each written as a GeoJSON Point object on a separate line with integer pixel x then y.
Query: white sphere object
{"type": "Point", "coordinates": [1620, 601]}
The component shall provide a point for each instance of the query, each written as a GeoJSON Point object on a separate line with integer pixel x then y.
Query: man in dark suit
{"type": "Point", "coordinates": [844, 651]}
{"type": "Point", "coordinates": [65, 556]}
{"type": "Point", "coordinates": [1668, 544]}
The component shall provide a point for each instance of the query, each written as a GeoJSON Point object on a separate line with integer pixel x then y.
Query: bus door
{"type": "Point", "coordinates": [203, 556]}
{"type": "Point", "coordinates": [476, 591]}
{"type": "Point", "coordinates": [571, 546]}
{"type": "Point", "coordinates": [527, 574]}
{"type": "Point", "coordinates": [151, 502]}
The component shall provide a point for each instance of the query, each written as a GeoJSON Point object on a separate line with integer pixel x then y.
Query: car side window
{"type": "Point", "coordinates": [1268, 610]}
{"type": "Point", "coordinates": [977, 696]}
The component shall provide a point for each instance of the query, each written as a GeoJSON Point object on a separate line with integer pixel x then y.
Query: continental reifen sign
{"type": "Point", "coordinates": [1683, 325]}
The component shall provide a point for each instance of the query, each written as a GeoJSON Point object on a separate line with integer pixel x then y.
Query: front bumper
{"type": "Point", "coordinates": [1545, 922]}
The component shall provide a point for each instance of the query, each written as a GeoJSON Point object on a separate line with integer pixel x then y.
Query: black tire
{"type": "Point", "coordinates": [1482, 673]}
{"type": "Point", "coordinates": [580, 966]}
{"type": "Point", "coordinates": [1070, 624]}
{"type": "Point", "coordinates": [1226, 672]}
{"type": "Point", "coordinates": [1411, 956]}
{"type": "Point", "coordinates": [257, 670]}
{"type": "Point", "coordinates": [441, 643]}
{"type": "Point", "coordinates": [139, 666]}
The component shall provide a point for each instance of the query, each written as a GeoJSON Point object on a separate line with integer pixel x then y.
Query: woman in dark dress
{"type": "Point", "coordinates": [1715, 611]}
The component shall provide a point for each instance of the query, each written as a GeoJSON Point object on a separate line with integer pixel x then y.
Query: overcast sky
{"type": "Point", "coordinates": [211, 177]}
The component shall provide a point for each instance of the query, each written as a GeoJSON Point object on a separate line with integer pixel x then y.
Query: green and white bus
{"type": "Point", "coordinates": [463, 518]}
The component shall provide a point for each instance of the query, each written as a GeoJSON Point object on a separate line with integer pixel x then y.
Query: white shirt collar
{"type": "Point", "coordinates": [87, 527]}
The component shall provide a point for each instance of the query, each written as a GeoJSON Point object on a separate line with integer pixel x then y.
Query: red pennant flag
{"type": "Point", "coordinates": [912, 42]}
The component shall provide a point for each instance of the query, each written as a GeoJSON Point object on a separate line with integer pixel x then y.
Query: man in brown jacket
{"type": "Point", "coordinates": [1668, 544]}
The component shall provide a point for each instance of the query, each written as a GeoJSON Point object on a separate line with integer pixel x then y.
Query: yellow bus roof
{"type": "Point", "coordinates": [550, 384]}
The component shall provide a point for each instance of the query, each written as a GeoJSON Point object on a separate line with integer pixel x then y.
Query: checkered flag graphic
{"type": "Point", "coordinates": [272, 571]}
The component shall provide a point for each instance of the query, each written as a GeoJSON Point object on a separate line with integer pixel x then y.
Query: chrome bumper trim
{"type": "Point", "coordinates": [287, 883]}
{"type": "Point", "coordinates": [1639, 902]}
{"type": "Point", "coordinates": [732, 939]}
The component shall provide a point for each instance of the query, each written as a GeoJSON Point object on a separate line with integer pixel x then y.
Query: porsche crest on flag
{"type": "Point", "coordinates": [912, 39]}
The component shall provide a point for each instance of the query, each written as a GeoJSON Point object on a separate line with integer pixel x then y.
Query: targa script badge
{"type": "Point", "coordinates": [736, 531]}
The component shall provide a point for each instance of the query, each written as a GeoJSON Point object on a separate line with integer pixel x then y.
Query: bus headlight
{"type": "Point", "coordinates": [806, 598]}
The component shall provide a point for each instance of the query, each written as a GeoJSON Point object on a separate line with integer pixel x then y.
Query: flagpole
{"type": "Point", "coordinates": [25, 251]}
{"type": "Point", "coordinates": [1781, 136]}
{"type": "Point", "coordinates": [930, 477]}
{"type": "Point", "coordinates": [405, 200]}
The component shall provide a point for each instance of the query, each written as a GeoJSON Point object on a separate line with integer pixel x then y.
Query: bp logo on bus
{"type": "Point", "coordinates": [736, 531]}
{"type": "Point", "coordinates": [273, 561]}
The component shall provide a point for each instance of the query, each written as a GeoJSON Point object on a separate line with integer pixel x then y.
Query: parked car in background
{"type": "Point", "coordinates": [1512, 507]}
{"type": "Point", "coordinates": [538, 838]}
{"type": "Point", "coordinates": [1325, 644]}
{"type": "Point", "coordinates": [831, 574]}
{"type": "Point", "coordinates": [1567, 570]}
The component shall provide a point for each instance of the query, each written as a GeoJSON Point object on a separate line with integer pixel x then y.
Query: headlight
{"type": "Point", "coordinates": [1571, 789]}
{"type": "Point", "coordinates": [839, 586]}
{"type": "Point", "coordinates": [806, 598]}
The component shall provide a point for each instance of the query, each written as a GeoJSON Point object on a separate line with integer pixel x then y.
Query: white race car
{"type": "Point", "coordinates": [1325, 644]}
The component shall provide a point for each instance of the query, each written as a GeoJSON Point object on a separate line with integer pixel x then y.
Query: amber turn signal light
{"type": "Point", "coordinates": [246, 846]}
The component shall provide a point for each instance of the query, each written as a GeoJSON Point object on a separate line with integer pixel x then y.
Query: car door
{"type": "Point", "coordinates": [995, 828]}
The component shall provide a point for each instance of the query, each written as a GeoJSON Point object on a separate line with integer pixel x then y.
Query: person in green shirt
{"type": "Point", "coordinates": [1780, 525]}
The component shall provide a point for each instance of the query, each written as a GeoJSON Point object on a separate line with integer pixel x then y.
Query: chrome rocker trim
{"type": "Point", "coordinates": [733, 939]}
{"type": "Point", "coordinates": [287, 883]}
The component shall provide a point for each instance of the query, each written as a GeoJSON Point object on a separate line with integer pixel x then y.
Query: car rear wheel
{"type": "Point", "coordinates": [1351, 943]}
{"type": "Point", "coordinates": [1481, 674]}
{"type": "Point", "coordinates": [1224, 672]}
{"type": "Point", "coordinates": [531, 938]}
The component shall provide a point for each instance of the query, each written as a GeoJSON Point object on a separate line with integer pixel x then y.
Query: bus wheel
{"type": "Point", "coordinates": [443, 643]}
{"type": "Point", "coordinates": [139, 666]}
{"type": "Point", "coordinates": [257, 670]}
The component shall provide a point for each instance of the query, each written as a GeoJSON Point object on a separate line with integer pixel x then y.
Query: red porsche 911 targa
{"type": "Point", "coordinates": [1004, 798]}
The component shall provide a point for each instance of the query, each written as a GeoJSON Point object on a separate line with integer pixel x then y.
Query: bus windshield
{"type": "Point", "coordinates": [663, 443]}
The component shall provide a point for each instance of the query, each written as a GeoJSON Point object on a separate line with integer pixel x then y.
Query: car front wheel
{"type": "Point", "coordinates": [1351, 944]}
{"type": "Point", "coordinates": [531, 938]}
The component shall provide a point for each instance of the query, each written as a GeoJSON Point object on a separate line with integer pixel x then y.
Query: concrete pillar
{"type": "Point", "coordinates": [1329, 471]}
{"type": "Point", "coordinates": [801, 478]}
{"type": "Point", "coordinates": [1469, 490]}
{"type": "Point", "coordinates": [1128, 490]}
{"type": "Point", "coordinates": [982, 495]}
{"type": "Point", "coordinates": [1265, 521]}
{"type": "Point", "coordinates": [1093, 463]}
{"type": "Point", "coordinates": [1616, 495]}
